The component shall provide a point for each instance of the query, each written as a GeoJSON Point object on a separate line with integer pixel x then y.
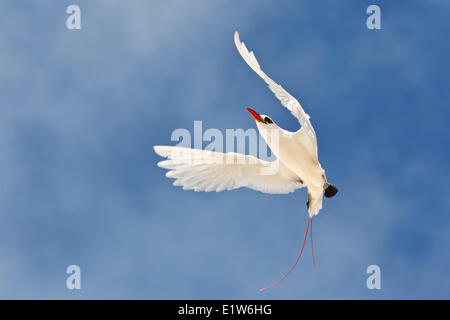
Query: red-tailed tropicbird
{"type": "Point", "coordinates": [297, 163]}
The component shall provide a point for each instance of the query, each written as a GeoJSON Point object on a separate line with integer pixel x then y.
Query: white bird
{"type": "Point", "coordinates": [297, 160]}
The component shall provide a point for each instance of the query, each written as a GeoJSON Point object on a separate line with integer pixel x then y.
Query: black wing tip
{"type": "Point", "coordinates": [330, 191]}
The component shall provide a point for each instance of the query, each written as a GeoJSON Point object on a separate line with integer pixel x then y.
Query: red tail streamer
{"type": "Point", "coordinates": [312, 247]}
{"type": "Point", "coordinates": [298, 258]}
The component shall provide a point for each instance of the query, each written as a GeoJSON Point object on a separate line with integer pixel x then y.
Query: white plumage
{"type": "Point", "coordinates": [297, 163]}
{"type": "Point", "coordinates": [202, 170]}
{"type": "Point", "coordinates": [285, 98]}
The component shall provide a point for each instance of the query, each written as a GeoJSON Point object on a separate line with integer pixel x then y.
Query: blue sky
{"type": "Point", "coordinates": [81, 109]}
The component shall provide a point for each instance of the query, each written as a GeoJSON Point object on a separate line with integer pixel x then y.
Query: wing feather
{"type": "Point", "coordinates": [285, 98]}
{"type": "Point", "coordinates": [203, 170]}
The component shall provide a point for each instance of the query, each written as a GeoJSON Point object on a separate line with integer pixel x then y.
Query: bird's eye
{"type": "Point", "coordinates": [268, 120]}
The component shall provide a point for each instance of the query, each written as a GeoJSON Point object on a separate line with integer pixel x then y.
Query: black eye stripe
{"type": "Point", "coordinates": [267, 120]}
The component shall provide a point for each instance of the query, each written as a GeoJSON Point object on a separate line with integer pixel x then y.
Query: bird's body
{"type": "Point", "coordinates": [297, 163]}
{"type": "Point", "coordinates": [294, 151]}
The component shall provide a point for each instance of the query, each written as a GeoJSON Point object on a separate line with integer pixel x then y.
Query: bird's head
{"type": "Point", "coordinates": [262, 121]}
{"type": "Point", "coordinates": [266, 127]}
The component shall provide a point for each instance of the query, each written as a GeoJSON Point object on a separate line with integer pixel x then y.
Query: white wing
{"type": "Point", "coordinates": [286, 99]}
{"type": "Point", "coordinates": [203, 170]}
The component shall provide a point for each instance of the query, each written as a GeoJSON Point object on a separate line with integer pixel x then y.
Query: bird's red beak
{"type": "Point", "coordinates": [255, 115]}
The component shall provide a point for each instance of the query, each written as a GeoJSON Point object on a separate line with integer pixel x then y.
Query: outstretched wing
{"type": "Point", "coordinates": [203, 170]}
{"type": "Point", "coordinates": [286, 99]}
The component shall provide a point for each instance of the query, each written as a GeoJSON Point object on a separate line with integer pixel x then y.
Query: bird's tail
{"type": "Point", "coordinates": [298, 258]}
{"type": "Point", "coordinates": [314, 203]}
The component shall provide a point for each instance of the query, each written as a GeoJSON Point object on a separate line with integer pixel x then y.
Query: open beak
{"type": "Point", "coordinates": [255, 115]}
